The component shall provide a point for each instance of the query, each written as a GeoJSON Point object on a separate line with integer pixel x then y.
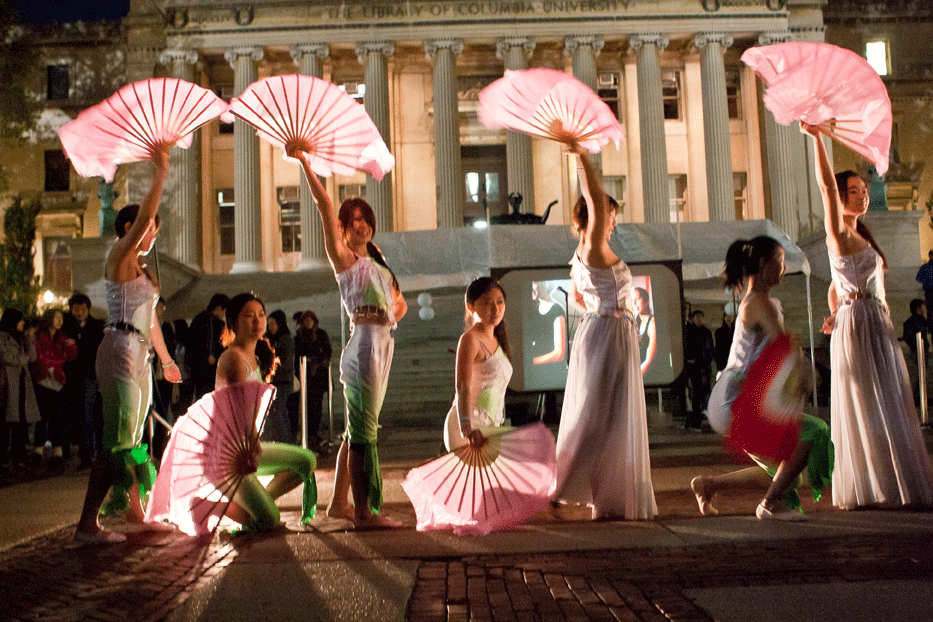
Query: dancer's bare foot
{"type": "Point", "coordinates": [704, 501]}
{"type": "Point", "coordinates": [98, 536]}
{"type": "Point", "coordinates": [375, 521]}
{"type": "Point", "coordinates": [343, 512]}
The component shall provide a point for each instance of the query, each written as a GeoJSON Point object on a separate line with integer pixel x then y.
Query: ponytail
{"type": "Point", "coordinates": [863, 230]}
{"type": "Point", "coordinates": [744, 258]}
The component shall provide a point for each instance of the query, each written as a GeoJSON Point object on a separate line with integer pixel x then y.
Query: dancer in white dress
{"type": "Point", "coordinates": [374, 304]}
{"type": "Point", "coordinates": [881, 458]}
{"type": "Point", "coordinates": [753, 268]}
{"type": "Point", "coordinates": [602, 443]}
{"type": "Point", "coordinates": [483, 367]}
{"type": "Point", "coordinates": [123, 368]}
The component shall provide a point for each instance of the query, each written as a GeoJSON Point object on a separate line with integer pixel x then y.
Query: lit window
{"type": "Point", "coordinates": [734, 94]}
{"type": "Point", "coordinates": [670, 91]}
{"type": "Point", "coordinates": [225, 221]}
{"type": "Point", "coordinates": [677, 193]}
{"type": "Point", "coordinates": [608, 90]}
{"type": "Point", "coordinates": [876, 52]}
{"type": "Point", "coordinates": [289, 219]}
{"type": "Point", "coordinates": [740, 185]}
{"type": "Point", "coordinates": [614, 186]}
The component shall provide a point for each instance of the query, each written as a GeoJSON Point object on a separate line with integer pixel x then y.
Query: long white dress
{"type": "Point", "coordinates": [602, 443]}
{"type": "Point", "coordinates": [488, 410]}
{"type": "Point", "coordinates": [880, 454]}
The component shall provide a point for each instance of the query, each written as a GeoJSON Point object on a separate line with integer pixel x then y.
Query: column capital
{"type": "Point", "coordinates": [320, 50]}
{"type": "Point", "coordinates": [431, 47]}
{"type": "Point", "coordinates": [363, 50]}
{"type": "Point", "coordinates": [705, 38]}
{"type": "Point", "coordinates": [187, 56]}
{"type": "Point", "coordinates": [504, 45]}
{"type": "Point", "coordinates": [254, 52]}
{"type": "Point", "coordinates": [636, 42]}
{"type": "Point", "coordinates": [767, 38]}
{"type": "Point", "coordinates": [574, 42]}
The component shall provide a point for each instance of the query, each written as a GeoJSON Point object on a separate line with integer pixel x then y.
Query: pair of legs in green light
{"type": "Point", "coordinates": [814, 452]}
{"type": "Point", "coordinates": [364, 372]}
{"type": "Point", "coordinates": [253, 505]}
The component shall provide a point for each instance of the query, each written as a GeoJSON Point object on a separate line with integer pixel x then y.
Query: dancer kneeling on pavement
{"type": "Point", "coordinates": [253, 505]}
{"type": "Point", "coordinates": [483, 367]}
{"type": "Point", "coordinates": [753, 268]}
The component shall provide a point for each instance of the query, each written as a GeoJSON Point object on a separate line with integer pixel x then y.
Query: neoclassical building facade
{"type": "Point", "coordinates": [700, 146]}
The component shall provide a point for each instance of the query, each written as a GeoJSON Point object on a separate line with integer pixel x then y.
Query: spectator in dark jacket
{"type": "Point", "coordinates": [313, 342]}
{"type": "Point", "coordinates": [916, 324]}
{"type": "Point", "coordinates": [278, 426]}
{"type": "Point", "coordinates": [82, 407]}
{"type": "Point", "coordinates": [17, 398]}
{"type": "Point", "coordinates": [698, 358]}
{"type": "Point", "coordinates": [724, 341]}
{"type": "Point", "coordinates": [204, 344]}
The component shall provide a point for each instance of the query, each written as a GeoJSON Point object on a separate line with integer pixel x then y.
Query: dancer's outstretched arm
{"type": "Point", "coordinates": [339, 254]}
{"type": "Point", "coordinates": [122, 262]}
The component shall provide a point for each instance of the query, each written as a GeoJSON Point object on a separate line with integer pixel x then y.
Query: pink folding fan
{"type": "Point", "coordinates": [829, 87]}
{"type": "Point", "coordinates": [550, 104]}
{"type": "Point", "coordinates": [330, 128]}
{"type": "Point", "coordinates": [497, 486]}
{"type": "Point", "coordinates": [135, 122]}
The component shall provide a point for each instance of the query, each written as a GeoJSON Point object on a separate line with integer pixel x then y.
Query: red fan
{"type": "Point", "coordinates": [212, 448]}
{"type": "Point", "coordinates": [332, 129]}
{"type": "Point", "coordinates": [550, 104]}
{"type": "Point", "coordinates": [829, 87]}
{"type": "Point", "coordinates": [767, 413]}
{"type": "Point", "coordinates": [478, 491]}
{"type": "Point", "coordinates": [135, 122]}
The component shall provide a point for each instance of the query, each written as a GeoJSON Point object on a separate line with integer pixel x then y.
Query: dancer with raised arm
{"type": "Point", "coordinates": [374, 304]}
{"type": "Point", "coordinates": [602, 443]}
{"type": "Point", "coordinates": [753, 268]}
{"type": "Point", "coordinates": [881, 458]}
{"type": "Point", "coordinates": [483, 367]}
{"type": "Point", "coordinates": [123, 367]}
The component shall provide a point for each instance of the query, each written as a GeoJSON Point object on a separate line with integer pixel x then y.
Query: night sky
{"type": "Point", "coordinates": [49, 11]}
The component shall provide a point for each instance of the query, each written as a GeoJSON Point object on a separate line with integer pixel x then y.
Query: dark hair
{"type": "Point", "coordinates": [45, 322]}
{"type": "Point", "coordinates": [265, 356]}
{"type": "Point", "coordinates": [744, 257]}
{"type": "Point", "coordinates": [842, 186]}
{"type": "Point", "coordinates": [643, 293]}
{"type": "Point", "coordinates": [218, 300]}
{"type": "Point", "coordinates": [476, 290]}
{"type": "Point", "coordinates": [126, 216]}
{"type": "Point", "coordinates": [580, 215]}
{"type": "Point", "coordinates": [233, 308]}
{"type": "Point", "coordinates": [10, 320]}
{"type": "Point", "coordinates": [296, 316]}
{"type": "Point", "coordinates": [345, 216]}
{"type": "Point", "coordinates": [697, 312]}
{"type": "Point", "coordinates": [915, 305]}
{"type": "Point", "coordinates": [309, 314]}
{"type": "Point", "coordinates": [79, 298]}
{"type": "Point", "coordinates": [279, 316]}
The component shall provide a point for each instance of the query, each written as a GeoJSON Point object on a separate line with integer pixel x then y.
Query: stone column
{"type": "Point", "coordinates": [447, 171]}
{"type": "Point", "coordinates": [518, 154]}
{"type": "Point", "coordinates": [719, 184]}
{"type": "Point", "coordinates": [376, 102]}
{"type": "Point", "coordinates": [583, 51]}
{"type": "Point", "coordinates": [308, 57]}
{"type": "Point", "coordinates": [651, 125]}
{"type": "Point", "coordinates": [247, 216]}
{"type": "Point", "coordinates": [182, 219]}
{"type": "Point", "coordinates": [780, 142]}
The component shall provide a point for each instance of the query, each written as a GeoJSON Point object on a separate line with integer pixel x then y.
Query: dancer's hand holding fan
{"type": "Point", "coordinates": [551, 104]}
{"type": "Point", "coordinates": [136, 123]}
{"type": "Point", "coordinates": [829, 87]}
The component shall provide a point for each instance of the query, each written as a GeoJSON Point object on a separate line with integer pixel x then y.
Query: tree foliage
{"type": "Point", "coordinates": [19, 285]}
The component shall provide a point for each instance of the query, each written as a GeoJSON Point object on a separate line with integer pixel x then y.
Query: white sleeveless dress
{"type": "Point", "coordinates": [880, 454]}
{"type": "Point", "coordinates": [602, 444]}
{"type": "Point", "coordinates": [488, 411]}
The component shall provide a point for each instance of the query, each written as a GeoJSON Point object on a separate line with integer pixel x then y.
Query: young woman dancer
{"type": "Point", "coordinates": [881, 459]}
{"type": "Point", "coordinates": [253, 505]}
{"type": "Point", "coordinates": [483, 367]}
{"type": "Point", "coordinates": [602, 443]}
{"type": "Point", "coordinates": [753, 267]}
{"type": "Point", "coordinates": [123, 365]}
{"type": "Point", "coordinates": [374, 304]}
